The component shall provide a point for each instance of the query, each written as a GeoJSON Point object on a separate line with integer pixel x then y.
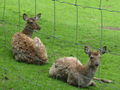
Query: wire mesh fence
{"type": "Point", "coordinates": [94, 33]}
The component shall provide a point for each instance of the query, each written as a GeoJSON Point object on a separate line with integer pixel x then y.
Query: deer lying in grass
{"type": "Point", "coordinates": [73, 72]}
{"type": "Point", "coordinates": [25, 48]}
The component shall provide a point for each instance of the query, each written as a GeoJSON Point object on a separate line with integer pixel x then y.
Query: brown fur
{"type": "Point", "coordinates": [73, 72]}
{"type": "Point", "coordinates": [25, 48]}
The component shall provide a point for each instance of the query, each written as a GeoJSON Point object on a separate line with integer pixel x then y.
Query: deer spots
{"type": "Point", "coordinates": [25, 48]}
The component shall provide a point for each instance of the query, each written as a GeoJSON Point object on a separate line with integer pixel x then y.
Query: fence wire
{"type": "Point", "coordinates": [87, 6]}
{"type": "Point", "coordinates": [55, 37]}
{"type": "Point", "coordinates": [101, 28]}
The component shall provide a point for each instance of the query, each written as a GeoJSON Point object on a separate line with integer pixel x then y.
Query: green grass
{"type": "Point", "coordinates": [21, 76]}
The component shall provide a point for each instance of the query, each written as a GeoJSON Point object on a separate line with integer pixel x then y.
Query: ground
{"type": "Point", "coordinates": [64, 41]}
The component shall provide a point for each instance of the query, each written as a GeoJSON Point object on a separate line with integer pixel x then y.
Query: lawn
{"type": "Point", "coordinates": [66, 40]}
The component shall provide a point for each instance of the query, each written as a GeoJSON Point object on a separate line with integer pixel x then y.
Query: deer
{"type": "Point", "coordinates": [28, 49]}
{"type": "Point", "coordinates": [72, 71]}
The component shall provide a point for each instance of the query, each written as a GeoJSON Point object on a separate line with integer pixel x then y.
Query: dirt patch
{"type": "Point", "coordinates": [1, 24]}
{"type": "Point", "coordinates": [112, 28]}
{"type": "Point", "coordinates": [109, 6]}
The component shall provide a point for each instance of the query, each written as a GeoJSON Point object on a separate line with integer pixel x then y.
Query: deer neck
{"type": "Point", "coordinates": [28, 31]}
{"type": "Point", "coordinates": [90, 70]}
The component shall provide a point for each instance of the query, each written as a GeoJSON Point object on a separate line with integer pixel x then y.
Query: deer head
{"type": "Point", "coordinates": [94, 56]}
{"type": "Point", "coordinates": [31, 22]}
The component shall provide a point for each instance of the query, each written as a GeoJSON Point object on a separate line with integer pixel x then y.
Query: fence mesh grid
{"type": "Point", "coordinates": [78, 38]}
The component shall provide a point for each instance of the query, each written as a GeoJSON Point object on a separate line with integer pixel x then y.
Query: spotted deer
{"type": "Point", "coordinates": [28, 49]}
{"type": "Point", "coordinates": [71, 70]}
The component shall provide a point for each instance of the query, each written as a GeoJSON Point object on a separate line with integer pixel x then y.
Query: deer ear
{"type": "Point", "coordinates": [103, 50]}
{"type": "Point", "coordinates": [37, 16]}
{"type": "Point", "coordinates": [25, 17]}
{"type": "Point", "coordinates": [87, 50]}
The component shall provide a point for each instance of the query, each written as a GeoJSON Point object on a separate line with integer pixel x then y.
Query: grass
{"type": "Point", "coordinates": [21, 76]}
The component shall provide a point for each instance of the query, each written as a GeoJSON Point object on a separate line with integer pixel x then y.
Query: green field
{"type": "Point", "coordinates": [66, 40]}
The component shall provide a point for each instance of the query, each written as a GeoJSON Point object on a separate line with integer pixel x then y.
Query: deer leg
{"type": "Point", "coordinates": [103, 80]}
{"type": "Point", "coordinates": [70, 79]}
{"type": "Point", "coordinates": [92, 83]}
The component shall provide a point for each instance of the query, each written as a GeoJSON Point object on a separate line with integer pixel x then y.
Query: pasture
{"type": "Point", "coordinates": [64, 40]}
